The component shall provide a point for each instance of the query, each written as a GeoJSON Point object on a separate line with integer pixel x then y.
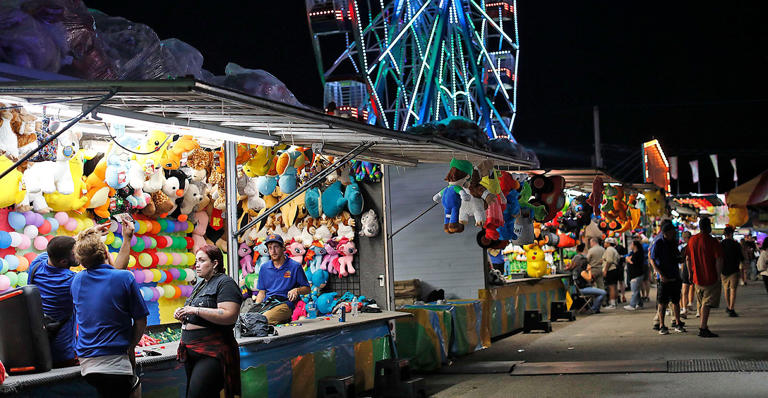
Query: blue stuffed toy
{"type": "Point", "coordinates": [354, 198]}
{"type": "Point", "coordinates": [333, 200]}
{"type": "Point", "coordinates": [325, 302]}
{"type": "Point", "coordinates": [266, 184]}
{"type": "Point", "coordinates": [312, 202]}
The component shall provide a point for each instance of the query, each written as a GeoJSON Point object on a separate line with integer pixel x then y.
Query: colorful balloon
{"type": "Point", "coordinates": [25, 243]}
{"type": "Point", "coordinates": [22, 279]}
{"type": "Point", "coordinates": [23, 264]}
{"type": "Point", "coordinates": [54, 223]}
{"type": "Point", "coordinates": [44, 228]}
{"type": "Point", "coordinates": [40, 243]}
{"type": "Point", "coordinates": [16, 220]}
{"type": "Point", "coordinates": [30, 231]}
{"type": "Point", "coordinates": [13, 261]}
{"type": "Point", "coordinates": [5, 240]}
{"type": "Point", "coordinates": [5, 283]}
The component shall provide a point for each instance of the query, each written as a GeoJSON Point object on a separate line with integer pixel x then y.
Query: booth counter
{"type": "Point", "coordinates": [289, 364]}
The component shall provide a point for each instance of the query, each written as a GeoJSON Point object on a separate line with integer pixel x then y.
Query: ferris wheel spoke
{"type": "Point", "coordinates": [497, 27]}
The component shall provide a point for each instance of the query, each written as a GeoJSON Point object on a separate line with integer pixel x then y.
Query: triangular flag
{"type": "Point", "coordinates": [733, 164]}
{"type": "Point", "coordinates": [713, 158]}
{"type": "Point", "coordinates": [695, 170]}
{"type": "Point", "coordinates": [673, 166]}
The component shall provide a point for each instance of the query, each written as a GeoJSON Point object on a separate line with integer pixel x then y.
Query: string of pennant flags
{"type": "Point", "coordinates": [694, 164]}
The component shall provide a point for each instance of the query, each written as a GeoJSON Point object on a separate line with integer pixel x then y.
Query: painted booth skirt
{"type": "Point", "coordinates": [505, 305]}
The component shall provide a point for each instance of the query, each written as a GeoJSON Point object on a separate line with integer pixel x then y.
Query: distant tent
{"type": "Point", "coordinates": [752, 193]}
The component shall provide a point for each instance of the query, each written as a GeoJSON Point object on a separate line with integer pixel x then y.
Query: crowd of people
{"type": "Point", "coordinates": [688, 274]}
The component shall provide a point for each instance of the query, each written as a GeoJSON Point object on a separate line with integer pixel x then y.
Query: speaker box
{"type": "Point", "coordinates": [23, 340]}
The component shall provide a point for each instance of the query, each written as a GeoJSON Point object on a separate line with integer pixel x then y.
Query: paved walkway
{"type": "Point", "coordinates": [626, 339]}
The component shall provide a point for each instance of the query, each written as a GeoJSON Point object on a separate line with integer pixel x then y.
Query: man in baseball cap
{"type": "Point", "coordinates": [281, 282]}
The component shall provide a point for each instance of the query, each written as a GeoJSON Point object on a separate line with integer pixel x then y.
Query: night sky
{"type": "Point", "coordinates": [690, 74]}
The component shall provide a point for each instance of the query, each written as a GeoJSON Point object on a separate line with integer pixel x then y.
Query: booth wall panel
{"type": "Point", "coordinates": [422, 250]}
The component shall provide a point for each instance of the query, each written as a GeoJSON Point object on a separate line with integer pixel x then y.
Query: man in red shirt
{"type": "Point", "coordinates": [705, 258]}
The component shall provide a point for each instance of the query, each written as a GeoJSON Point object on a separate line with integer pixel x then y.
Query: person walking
{"type": "Point", "coordinates": [664, 257]}
{"type": "Point", "coordinates": [111, 316]}
{"type": "Point", "coordinates": [686, 299]}
{"type": "Point", "coordinates": [705, 258]}
{"type": "Point", "coordinates": [595, 260]}
{"type": "Point", "coordinates": [733, 257]}
{"type": "Point", "coordinates": [208, 347]}
{"type": "Point", "coordinates": [610, 260]}
{"type": "Point", "coordinates": [635, 275]}
{"type": "Point", "coordinates": [748, 269]}
{"type": "Point", "coordinates": [579, 267]}
{"type": "Point", "coordinates": [762, 263]}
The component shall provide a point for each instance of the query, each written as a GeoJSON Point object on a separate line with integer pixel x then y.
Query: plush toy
{"type": "Point", "coordinates": [346, 230]}
{"type": "Point", "coordinates": [201, 219]}
{"type": "Point", "coordinates": [75, 201]}
{"type": "Point", "coordinates": [737, 216]}
{"type": "Point", "coordinates": [263, 255]}
{"type": "Point", "coordinates": [596, 197]}
{"type": "Point", "coordinates": [246, 259]}
{"type": "Point", "coordinates": [193, 195]}
{"type": "Point", "coordinates": [174, 187]}
{"type": "Point", "coordinates": [548, 192]}
{"type": "Point", "coordinates": [172, 158]}
{"type": "Point", "coordinates": [154, 146]}
{"type": "Point", "coordinates": [333, 200]}
{"type": "Point", "coordinates": [655, 203]}
{"type": "Point", "coordinates": [199, 162]}
{"type": "Point", "coordinates": [323, 233]}
{"type": "Point", "coordinates": [331, 254]}
{"type": "Point", "coordinates": [354, 198]}
{"type": "Point", "coordinates": [450, 196]}
{"type": "Point", "coordinates": [49, 177]}
{"type": "Point", "coordinates": [296, 251]}
{"type": "Point", "coordinates": [217, 184]}
{"type": "Point", "coordinates": [253, 203]}
{"type": "Point", "coordinates": [287, 166]}
{"type": "Point", "coordinates": [8, 142]}
{"type": "Point", "coordinates": [12, 192]}
{"type": "Point", "coordinates": [369, 224]}
{"type": "Point", "coordinates": [314, 256]}
{"type": "Point", "coordinates": [312, 201]}
{"type": "Point", "coordinates": [537, 266]}
{"type": "Point", "coordinates": [262, 161]}
{"type": "Point", "coordinates": [347, 250]}
{"type": "Point", "coordinates": [523, 228]}
{"type": "Point", "coordinates": [325, 302]}
{"type": "Point", "coordinates": [473, 206]}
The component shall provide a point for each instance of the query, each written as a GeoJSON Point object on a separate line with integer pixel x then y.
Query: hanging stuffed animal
{"type": "Point", "coordinates": [12, 192]}
{"type": "Point", "coordinates": [246, 259]}
{"type": "Point", "coordinates": [263, 160]}
{"type": "Point", "coordinates": [548, 192]}
{"type": "Point", "coordinates": [369, 224]}
{"type": "Point", "coordinates": [347, 250]}
{"type": "Point", "coordinates": [596, 197]}
{"type": "Point", "coordinates": [450, 196]}
{"type": "Point", "coordinates": [331, 255]}
{"type": "Point", "coordinates": [49, 177]}
{"type": "Point", "coordinates": [536, 265]}
{"type": "Point", "coordinates": [75, 201]}
{"type": "Point", "coordinates": [173, 156]}
{"type": "Point", "coordinates": [199, 162]}
{"type": "Point", "coordinates": [296, 251]}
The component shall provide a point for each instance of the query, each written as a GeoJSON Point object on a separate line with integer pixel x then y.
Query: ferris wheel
{"type": "Point", "coordinates": [398, 63]}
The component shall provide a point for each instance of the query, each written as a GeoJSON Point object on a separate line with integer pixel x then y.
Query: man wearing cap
{"type": "Point", "coordinates": [705, 258]}
{"type": "Point", "coordinates": [281, 282]}
{"type": "Point", "coordinates": [610, 261]}
{"type": "Point", "coordinates": [664, 258]}
{"type": "Point", "coordinates": [50, 272]}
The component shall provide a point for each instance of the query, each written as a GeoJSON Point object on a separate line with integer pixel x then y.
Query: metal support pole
{"type": "Point", "coordinates": [389, 275]}
{"type": "Point", "coordinates": [304, 187]}
{"type": "Point", "coordinates": [230, 155]}
{"type": "Point", "coordinates": [598, 151]}
{"type": "Point", "coordinates": [71, 123]}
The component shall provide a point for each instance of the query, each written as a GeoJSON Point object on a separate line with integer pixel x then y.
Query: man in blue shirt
{"type": "Point", "coordinates": [50, 273]}
{"type": "Point", "coordinates": [281, 282]}
{"type": "Point", "coordinates": [111, 317]}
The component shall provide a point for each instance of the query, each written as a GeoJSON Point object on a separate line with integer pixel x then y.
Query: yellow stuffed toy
{"type": "Point", "coordinates": [737, 216]}
{"type": "Point", "coordinates": [655, 203]}
{"type": "Point", "coordinates": [8, 195]}
{"type": "Point", "coordinates": [536, 264]}
{"type": "Point", "coordinates": [75, 201]}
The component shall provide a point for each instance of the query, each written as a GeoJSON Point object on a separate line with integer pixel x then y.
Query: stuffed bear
{"type": "Point", "coordinates": [217, 184]}
{"type": "Point", "coordinates": [450, 196]}
{"type": "Point", "coordinates": [193, 195]}
{"type": "Point", "coordinates": [199, 161]}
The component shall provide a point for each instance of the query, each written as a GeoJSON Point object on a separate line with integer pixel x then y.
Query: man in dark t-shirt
{"type": "Point", "coordinates": [732, 257]}
{"type": "Point", "coordinates": [665, 258]}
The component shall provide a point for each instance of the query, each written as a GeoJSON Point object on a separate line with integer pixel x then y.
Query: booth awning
{"type": "Point", "coordinates": [752, 193]}
{"type": "Point", "coordinates": [190, 102]}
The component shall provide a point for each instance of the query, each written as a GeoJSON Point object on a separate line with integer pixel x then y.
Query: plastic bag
{"type": "Point", "coordinates": [256, 82]}
{"type": "Point", "coordinates": [30, 38]}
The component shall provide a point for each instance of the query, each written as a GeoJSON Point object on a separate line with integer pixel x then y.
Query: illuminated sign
{"type": "Point", "coordinates": [655, 165]}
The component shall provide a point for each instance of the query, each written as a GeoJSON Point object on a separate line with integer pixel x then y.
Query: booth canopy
{"type": "Point", "coordinates": [752, 193]}
{"type": "Point", "coordinates": [191, 102]}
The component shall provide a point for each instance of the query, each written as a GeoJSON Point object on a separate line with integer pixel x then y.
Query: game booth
{"type": "Point", "coordinates": [194, 163]}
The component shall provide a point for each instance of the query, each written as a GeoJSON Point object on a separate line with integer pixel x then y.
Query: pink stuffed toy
{"type": "Point", "coordinates": [347, 250]}
{"type": "Point", "coordinates": [299, 311]}
{"type": "Point", "coordinates": [246, 259]}
{"type": "Point", "coordinates": [198, 234]}
{"type": "Point", "coordinates": [329, 259]}
{"type": "Point", "coordinates": [296, 251]}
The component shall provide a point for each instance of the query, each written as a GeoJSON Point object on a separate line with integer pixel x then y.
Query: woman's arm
{"type": "Point", "coordinates": [225, 313]}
